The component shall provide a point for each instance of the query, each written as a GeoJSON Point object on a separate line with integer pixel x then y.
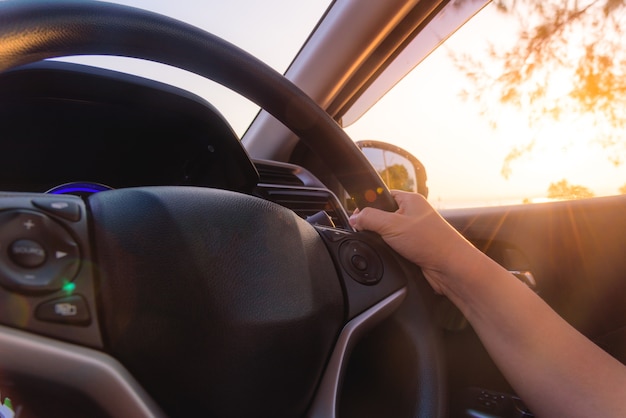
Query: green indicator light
{"type": "Point", "coordinates": [69, 287]}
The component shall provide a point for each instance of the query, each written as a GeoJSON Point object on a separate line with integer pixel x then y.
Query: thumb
{"type": "Point", "coordinates": [371, 219]}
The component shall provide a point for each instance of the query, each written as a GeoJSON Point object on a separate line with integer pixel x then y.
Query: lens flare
{"type": "Point", "coordinates": [370, 196]}
{"type": "Point", "coordinates": [69, 287]}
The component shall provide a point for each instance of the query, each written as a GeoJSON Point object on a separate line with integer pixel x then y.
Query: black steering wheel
{"type": "Point", "coordinates": [199, 310]}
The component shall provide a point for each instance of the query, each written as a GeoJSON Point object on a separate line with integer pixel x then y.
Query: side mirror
{"type": "Point", "coordinates": [398, 168]}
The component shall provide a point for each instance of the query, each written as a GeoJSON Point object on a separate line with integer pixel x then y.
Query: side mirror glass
{"type": "Point", "coordinates": [398, 168]}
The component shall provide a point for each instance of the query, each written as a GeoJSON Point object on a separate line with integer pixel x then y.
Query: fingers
{"type": "Point", "coordinates": [371, 219]}
{"type": "Point", "coordinates": [412, 204]}
{"type": "Point", "coordinates": [378, 221]}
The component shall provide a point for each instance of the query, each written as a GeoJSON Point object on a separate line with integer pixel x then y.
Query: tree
{"type": "Point", "coordinates": [565, 191]}
{"type": "Point", "coordinates": [397, 177]}
{"type": "Point", "coordinates": [575, 40]}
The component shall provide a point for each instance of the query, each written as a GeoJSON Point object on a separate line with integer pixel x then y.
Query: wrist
{"type": "Point", "coordinates": [467, 270]}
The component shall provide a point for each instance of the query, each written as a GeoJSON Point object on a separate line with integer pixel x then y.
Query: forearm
{"type": "Point", "coordinates": [553, 367]}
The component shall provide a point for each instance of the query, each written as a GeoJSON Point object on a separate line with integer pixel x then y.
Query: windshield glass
{"type": "Point", "coordinates": [481, 147]}
{"type": "Point", "coordinates": [271, 30]}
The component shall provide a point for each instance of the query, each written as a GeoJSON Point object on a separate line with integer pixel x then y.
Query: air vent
{"type": "Point", "coordinates": [306, 202]}
{"type": "Point", "coordinates": [276, 174]}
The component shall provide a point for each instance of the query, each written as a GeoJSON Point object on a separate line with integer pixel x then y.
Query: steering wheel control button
{"type": "Point", "coordinates": [63, 208]}
{"type": "Point", "coordinates": [361, 262]}
{"type": "Point", "coordinates": [71, 310]}
{"type": "Point", "coordinates": [36, 252]}
{"type": "Point", "coordinates": [27, 253]}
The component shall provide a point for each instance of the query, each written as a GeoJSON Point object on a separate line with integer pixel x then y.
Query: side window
{"type": "Point", "coordinates": [525, 103]}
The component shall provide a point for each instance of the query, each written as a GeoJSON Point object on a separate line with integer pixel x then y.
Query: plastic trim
{"type": "Point", "coordinates": [95, 374]}
{"type": "Point", "coordinates": [325, 402]}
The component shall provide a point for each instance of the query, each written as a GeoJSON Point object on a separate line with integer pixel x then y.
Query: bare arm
{"type": "Point", "coordinates": [555, 369]}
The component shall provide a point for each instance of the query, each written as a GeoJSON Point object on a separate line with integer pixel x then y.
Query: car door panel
{"type": "Point", "coordinates": [575, 253]}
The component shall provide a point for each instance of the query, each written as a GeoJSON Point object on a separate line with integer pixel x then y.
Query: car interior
{"type": "Point", "coordinates": [154, 263]}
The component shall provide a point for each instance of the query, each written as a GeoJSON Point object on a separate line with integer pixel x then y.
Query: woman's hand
{"type": "Point", "coordinates": [418, 233]}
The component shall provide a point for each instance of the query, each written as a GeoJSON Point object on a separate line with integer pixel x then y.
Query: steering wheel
{"type": "Point", "coordinates": [201, 301]}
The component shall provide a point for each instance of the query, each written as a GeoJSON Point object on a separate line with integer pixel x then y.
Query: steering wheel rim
{"type": "Point", "coordinates": [52, 30]}
{"type": "Point", "coordinates": [62, 29]}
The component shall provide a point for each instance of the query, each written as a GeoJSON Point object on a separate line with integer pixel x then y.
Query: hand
{"type": "Point", "coordinates": [418, 233]}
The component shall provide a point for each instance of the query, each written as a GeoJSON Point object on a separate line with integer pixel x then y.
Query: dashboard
{"type": "Point", "coordinates": [75, 129]}
{"type": "Point", "coordinates": [101, 127]}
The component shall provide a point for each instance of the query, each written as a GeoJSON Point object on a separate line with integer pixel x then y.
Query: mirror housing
{"type": "Point", "coordinates": [398, 168]}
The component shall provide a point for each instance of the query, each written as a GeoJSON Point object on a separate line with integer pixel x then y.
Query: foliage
{"type": "Point", "coordinates": [397, 177]}
{"type": "Point", "coordinates": [568, 63]}
{"type": "Point", "coordinates": [565, 191]}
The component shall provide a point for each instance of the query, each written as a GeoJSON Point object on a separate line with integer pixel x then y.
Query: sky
{"type": "Point", "coordinates": [424, 114]}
